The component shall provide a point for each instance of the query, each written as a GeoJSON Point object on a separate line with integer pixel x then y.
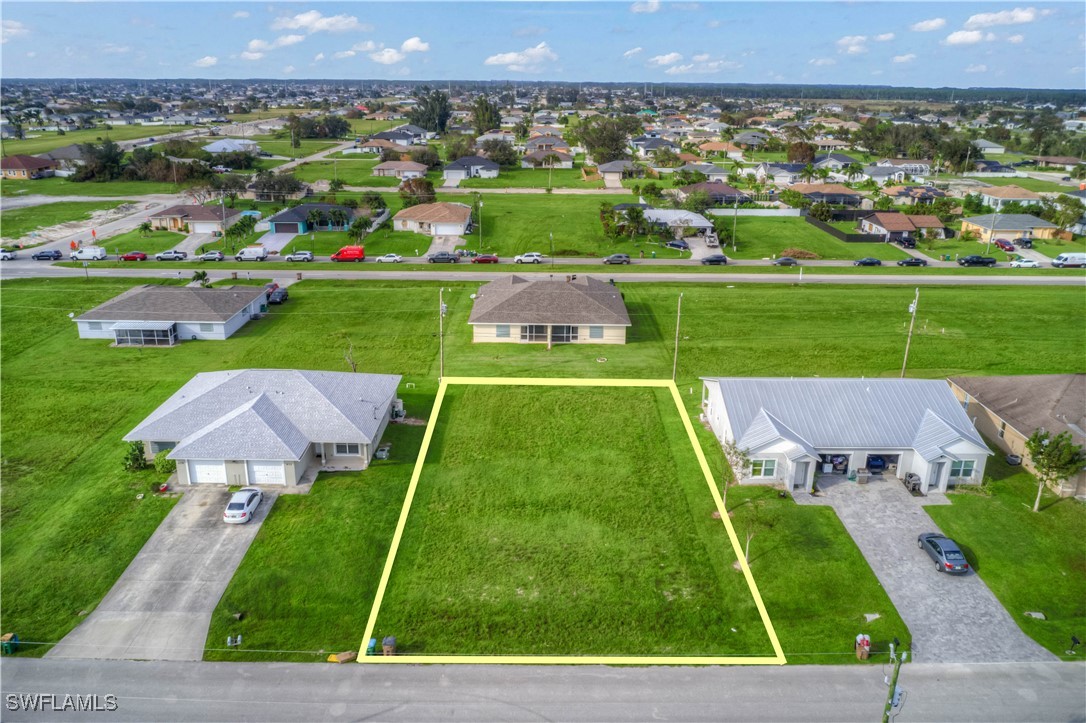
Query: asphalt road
{"type": "Point", "coordinates": [161, 691]}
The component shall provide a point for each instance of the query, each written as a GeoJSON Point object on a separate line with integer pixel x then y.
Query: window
{"type": "Point", "coordinates": [347, 450]}
{"type": "Point", "coordinates": [501, 331]}
{"type": "Point", "coordinates": [94, 325]}
{"type": "Point", "coordinates": [763, 467]}
{"type": "Point", "coordinates": [595, 332]}
{"type": "Point", "coordinates": [533, 332]}
{"type": "Point", "coordinates": [563, 334]}
{"type": "Point", "coordinates": [207, 327]}
{"type": "Point", "coordinates": [157, 447]}
{"type": "Point", "coordinates": [962, 468]}
{"type": "Point", "coordinates": [1002, 429]}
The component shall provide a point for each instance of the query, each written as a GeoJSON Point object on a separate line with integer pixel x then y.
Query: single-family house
{"type": "Point", "coordinates": [719, 193]}
{"type": "Point", "coordinates": [195, 219]}
{"type": "Point", "coordinates": [836, 162]}
{"type": "Point", "coordinates": [496, 135]}
{"type": "Point", "coordinates": [884, 174]}
{"type": "Point", "coordinates": [988, 147]}
{"type": "Point", "coordinates": [401, 138]}
{"type": "Point", "coordinates": [912, 166]}
{"type": "Point", "coordinates": [546, 159]}
{"type": "Point", "coordinates": [710, 171]}
{"type": "Point", "coordinates": [270, 426]}
{"type": "Point", "coordinates": [233, 145]}
{"type": "Point", "coordinates": [829, 144]}
{"type": "Point", "coordinates": [902, 227]}
{"type": "Point", "coordinates": [614, 171]}
{"type": "Point", "coordinates": [309, 217]}
{"type": "Point", "coordinates": [21, 167]}
{"type": "Point", "coordinates": [1067, 163]}
{"type": "Point", "coordinates": [154, 315]}
{"type": "Point", "coordinates": [380, 145]}
{"type": "Point", "coordinates": [792, 430]}
{"type": "Point", "coordinates": [649, 147]}
{"type": "Point", "coordinates": [546, 143]}
{"type": "Point", "coordinates": [781, 174]}
{"type": "Point", "coordinates": [913, 195]}
{"type": "Point", "coordinates": [1008, 410]}
{"type": "Point", "coordinates": [67, 159]}
{"type": "Point", "coordinates": [677, 221]}
{"type": "Point", "coordinates": [470, 167]}
{"type": "Point", "coordinates": [730, 150]}
{"type": "Point", "coordinates": [750, 139]}
{"type": "Point", "coordinates": [831, 193]}
{"type": "Point", "coordinates": [999, 196]}
{"type": "Point", "coordinates": [418, 134]}
{"type": "Point", "coordinates": [434, 219]}
{"type": "Point", "coordinates": [991, 226]}
{"type": "Point", "coordinates": [400, 169]}
{"type": "Point", "coordinates": [573, 310]}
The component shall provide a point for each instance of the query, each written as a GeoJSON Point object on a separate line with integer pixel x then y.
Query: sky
{"type": "Point", "coordinates": [960, 44]}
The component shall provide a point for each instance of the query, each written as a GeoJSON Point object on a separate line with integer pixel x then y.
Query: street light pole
{"type": "Point", "coordinates": [678, 320]}
{"type": "Point", "coordinates": [909, 339]}
{"type": "Point", "coordinates": [991, 232]}
{"type": "Point", "coordinates": [735, 219]}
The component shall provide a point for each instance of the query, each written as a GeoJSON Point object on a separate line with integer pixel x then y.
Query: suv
{"type": "Point", "coordinates": [211, 256]}
{"type": "Point", "coordinates": [173, 255]}
{"type": "Point", "coordinates": [1004, 245]}
{"type": "Point", "coordinates": [677, 243]}
{"type": "Point", "coordinates": [1024, 242]}
{"type": "Point", "coordinates": [617, 259]}
{"type": "Point", "coordinates": [975, 260]}
{"type": "Point", "coordinates": [7, 254]}
{"type": "Point", "coordinates": [532, 257]}
{"type": "Point", "coordinates": [443, 257]}
{"type": "Point", "coordinates": [47, 255]}
{"type": "Point", "coordinates": [300, 256]}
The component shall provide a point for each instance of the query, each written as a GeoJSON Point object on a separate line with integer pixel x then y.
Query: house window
{"type": "Point", "coordinates": [563, 334]}
{"type": "Point", "coordinates": [157, 447]}
{"type": "Point", "coordinates": [207, 327]}
{"type": "Point", "coordinates": [595, 332]}
{"type": "Point", "coordinates": [501, 331]}
{"type": "Point", "coordinates": [347, 450]}
{"type": "Point", "coordinates": [763, 468]}
{"type": "Point", "coordinates": [1002, 429]}
{"type": "Point", "coordinates": [94, 325]}
{"type": "Point", "coordinates": [533, 332]}
{"type": "Point", "coordinates": [962, 468]}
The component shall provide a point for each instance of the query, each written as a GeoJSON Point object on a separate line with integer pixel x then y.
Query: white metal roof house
{"type": "Point", "coordinates": [792, 429]}
{"type": "Point", "coordinates": [270, 426]}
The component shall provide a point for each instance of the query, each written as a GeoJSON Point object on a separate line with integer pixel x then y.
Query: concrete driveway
{"type": "Point", "coordinates": [160, 608]}
{"type": "Point", "coordinates": [953, 618]}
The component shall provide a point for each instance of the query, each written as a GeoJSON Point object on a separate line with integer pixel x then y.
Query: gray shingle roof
{"type": "Point", "coordinates": [1056, 402]}
{"type": "Point", "coordinates": [617, 166]}
{"type": "Point", "coordinates": [472, 162]}
{"type": "Point", "coordinates": [1009, 221]}
{"type": "Point", "coordinates": [198, 213]}
{"type": "Point", "coordinates": [301, 212]}
{"type": "Point", "coordinates": [517, 300]}
{"type": "Point", "coordinates": [173, 303]}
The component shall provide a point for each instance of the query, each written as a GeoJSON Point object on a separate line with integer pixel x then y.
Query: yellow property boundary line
{"type": "Point", "coordinates": [777, 659]}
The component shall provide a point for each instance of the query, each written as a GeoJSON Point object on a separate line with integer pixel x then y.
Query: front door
{"type": "Point", "coordinates": [800, 479]}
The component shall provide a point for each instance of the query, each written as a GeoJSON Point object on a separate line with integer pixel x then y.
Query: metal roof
{"type": "Point", "coordinates": [141, 325]}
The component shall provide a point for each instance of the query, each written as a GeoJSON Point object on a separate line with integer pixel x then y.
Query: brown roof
{"type": "Point", "coordinates": [400, 166]}
{"type": "Point", "coordinates": [175, 303]}
{"type": "Point", "coordinates": [827, 188]}
{"type": "Point", "coordinates": [197, 213]}
{"type": "Point", "coordinates": [1009, 192]}
{"type": "Point", "coordinates": [1056, 402]}
{"type": "Point", "coordinates": [713, 146]}
{"type": "Point", "coordinates": [24, 163]}
{"type": "Point", "coordinates": [543, 155]}
{"type": "Point", "coordinates": [893, 221]}
{"type": "Point", "coordinates": [382, 143]}
{"type": "Point", "coordinates": [518, 300]}
{"type": "Point", "coordinates": [1065, 160]}
{"type": "Point", "coordinates": [441, 212]}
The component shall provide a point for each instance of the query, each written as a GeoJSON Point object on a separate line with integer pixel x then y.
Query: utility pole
{"type": "Point", "coordinates": [441, 334]}
{"type": "Point", "coordinates": [893, 698]}
{"type": "Point", "coordinates": [735, 218]}
{"type": "Point", "coordinates": [912, 323]}
{"type": "Point", "coordinates": [678, 320]}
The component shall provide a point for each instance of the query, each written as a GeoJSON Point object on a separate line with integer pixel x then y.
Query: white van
{"type": "Point", "coordinates": [89, 253]}
{"type": "Point", "coordinates": [1069, 260]}
{"type": "Point", "coordinates": [251, 253]}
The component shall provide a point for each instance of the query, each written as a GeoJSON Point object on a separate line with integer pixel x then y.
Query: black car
{"type": "Point", "coordinates": [617, 259]}
{"type": "Point", "coordinates": [1023, 242]}
{"type": "Point", "coordinates": [676, 243]}
{"type": "Point", "coordinates": [975, 260]}
{"type": "Point", "coordinates": [715, 260]}
{"type": "Point", "coordinates": [945, 552]}
{"type": "Point", "coordinates": [785, 261]}
{"type": "Point", "coordinates": [278, 296]}
{"type": "Point", "coordinates": [443, 257]}
{"type": "Point", "coordinates": [867, 261]}
{"type": "Point", "coordinates": [47, 255]}
{"type": "Point", "coordinates": [912, 262]}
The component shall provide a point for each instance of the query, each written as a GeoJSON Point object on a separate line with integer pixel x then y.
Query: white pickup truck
{"type": "Point", "coordinates": [532, 257]}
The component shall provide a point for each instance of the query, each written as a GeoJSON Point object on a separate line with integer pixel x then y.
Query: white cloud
{"type": "Point", "coordinates": [977, 68]}
{"type": "Point", "coordinates": [907, 58]}
{"type": "Point", "coordinates": [314, 22]}
{"type": "Point", "coordinates": [529, 60]}
{"type": "Point", "coordinates": [1017, 16]}
{"type": "Point", "coordinates": [241, 14]}
{"type": "Point", "coordinates": [667, 59]}
{"type": "Point", "coordinates": [206, 62]}
{"type": "Point", "coordinates": [114, 49]}
{"type": "Point", "coordinates": [700, 58]}
{"type": "Point", "coordinates": [884, 37]}
{"type": "Point", "coordinates": [318, 57]}
{"type": "Point", "coordinates": [387, 56]}
{"type": "Point", "coordinates": [12, 29]}
{"type": "Point", "coordinates": [821, 61]}
{"type": "Point", "coordinates": [968, 37]}
{"type": "Point", "coordinates": [713, 24]}
{"type": "Point", "coordinates": [32, 54]}
{"type": "Point", "coordinates": [262, 46]}
{"type": "Point", "coordinates": [852, 44]}
{"type": "Point", "coordinates": [414, 45]}
{"type": "Point", "coordinates": [248, 55]}
{"type": "Point", "coordinates": [649, 6]}
{"type": "Point", "coordinates": [926, 26]}
{"type": "Point", "coordinates": [1016, 39]}
{"type": "Point", "coordinates": [288, 69]}
{"type": "Point", "coordinates": [703, 67]}
{"type": "Point", "coordinates": [632, 52]}
{"type": "Point", "coordinates": [341, 54]}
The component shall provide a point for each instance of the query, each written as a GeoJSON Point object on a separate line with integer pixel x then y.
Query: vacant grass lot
{"type": "Point", "coordinates": [761, 237]}
{"type": "Point", "coordinates": [1031, 561]}
{"type": "Point", "coordinates": [352, 172]}
{"type": "Point", "coordinates": [526, 539]}
{"type": "Point", "coordinates": [1034, 184]}
{"type": "Point", "coordinates": [150, 243]}
{"type": "Point", "coordinates": [56, 186]}
{"type": "Point", "coordinates": [42, 141]}
{"type": "Point", "coordinates": [20, 222]}
{"type": "Point", "coordinates": [533, 178]}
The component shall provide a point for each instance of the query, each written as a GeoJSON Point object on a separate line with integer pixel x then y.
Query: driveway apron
{"type": "Point", "coordinates": [953, 618]}
{"type": "Point", "coordinates": [160, 608]}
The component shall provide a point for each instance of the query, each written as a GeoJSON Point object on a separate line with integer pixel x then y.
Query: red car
{"type": "Point", "coordinates": [1004, 245]}
{"type": "Point", "coordinates": [484, 259]}
{"type": "Point", "coordinates": [134, 256]}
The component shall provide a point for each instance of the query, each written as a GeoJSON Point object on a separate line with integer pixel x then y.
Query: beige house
{"type": "Point", "coordinates": [1007, 226]}
{"type": "Point", "coordinates": [434, 219]}
{"type": "Point", "coordinates": [400, 169]}
{"type": "Point", "coordinates": [568, 310]}
{"type": "Point", "coordinates": [998, 196]}
{"type": "Point", "coordinates": [1007, 410]}
{"type": "Point", "coordinates": [195, 219]}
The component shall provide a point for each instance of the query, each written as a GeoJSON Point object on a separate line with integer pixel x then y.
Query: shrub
{"type": "Point", "coordinates": [163, 465]}
{"type": "Point", "coordinates": [134, 458]}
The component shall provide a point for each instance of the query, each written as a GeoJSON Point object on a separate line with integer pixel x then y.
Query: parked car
{"type": "Point", "coordinates": [172, 255]}
{"type": "Point", "coordinates": [532, 257]}
{"type": "Point", "coordinates": [913, 261]}
{"type": "Point", "coordinates": [134, 256]}
{"type": "Point", "coordinates": [242, 506]}
{"type": "Point", "coordinates": [251, 253]}
{"type": "Point", "coordinates": [876, 463]}
{"type": "Point", "coordinates": [270, 287]}
{"type": "Point", "coordinates": [350, 253]}
{"type": "Point", "coordinates": [945, 552]}
{"type": "Point", "coordinates": [785, 261]}
{"type": "Point", "coordinates": [1025, 264]}
{"type": "Point", "coordinates": [715, 260]}
{"type": "Point", "coordinates": [1070, 259]}
{"type": "Point", "coordinates": [867, 261]}
{"type": "Point", "coordinates": [220, 169]}
{"type": "Point", "coordinates": [89, 253]}
{"type": "Point", "coordinates": [1004, 245]}
{"type": "Point", "coordinates": [211, 256]}
{"type": "Point", "coordinates": [299, 256]}
{"type": "Point", "coordinates": [617, 259]}
{"type": "Point", "coordinates": [677, 243]}
{"type": "Point", "coordinates": [1023, 242]}
{"type": "Point", "coordinates": [7, 254]}
{"type": "Point", "coordinates": [278, 296]}
{"type": "Point", "coordinates": [389, 259]}
{"type": "Point", "coordinates": [975, 260]}
{"type": "Point", "coordinates": [47, 255]}
{"type": "Point", "coordinates": [443, 257]}
{"type": "Point", "coordinates": [906, 243]}
{"type": "Point", "coordinates": [1065, 178]}
{"type": "Point", "coordinates": [485, 259]}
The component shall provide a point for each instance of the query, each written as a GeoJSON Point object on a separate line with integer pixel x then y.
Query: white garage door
{"type": "Point", "coordinates": [266, 473]}
{"type": "Point", "coordinates": [204, 226]}
{"type": "Point", "coordinates": [207, 473]}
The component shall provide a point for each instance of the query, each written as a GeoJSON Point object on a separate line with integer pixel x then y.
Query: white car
{"type": "Point", "coordinates": [242, 506]}
{"type": "Point", "coordinates": [1025, 264]}
{"type": "Point", "coordinates": [389, 259]}
{"type": "Point", "coordinates": [299, 256]}
{"type": "Point", "coordinates": [6, 255]}
{"type": "Point", "coordinates": [532, 257]}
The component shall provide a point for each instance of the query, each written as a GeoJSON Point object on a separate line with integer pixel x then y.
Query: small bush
{"type": "Point", "coordinates": [163, 465]}
{"type": "Point", "coordinates": [134, 459]}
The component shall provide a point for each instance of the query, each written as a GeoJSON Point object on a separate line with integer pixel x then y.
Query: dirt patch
{"type": "Point", "coordinates": [413, 422]}
{"type": "Point", "coordinates": [96, 220]}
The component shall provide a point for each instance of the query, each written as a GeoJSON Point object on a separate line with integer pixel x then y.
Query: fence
{"type": "Point", "coordinates": [843, 236]}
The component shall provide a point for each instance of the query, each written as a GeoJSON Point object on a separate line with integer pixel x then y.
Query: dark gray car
{"type": "Point", "coordinates": [945, 552]}
{"type": "Point", "coordinates": [617, 259]}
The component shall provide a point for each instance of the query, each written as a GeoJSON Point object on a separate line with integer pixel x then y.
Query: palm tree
{"type": "Point", "coordinates": [339, 217]}
{"type": "Point", "coordinates": [635, 220]}
{"type": "Point", "coordinates": [853, 170]}
{"type": "Point", "coordinates": [358, 229]}
{"type": "Point", "coordinates": [808, 173]}
{"type": "Point", "coordinates": [822, 174]}
{"type": "Point", "coordinates": [145, 228]}
{"type": "Point", "coordinates": [315, 217]}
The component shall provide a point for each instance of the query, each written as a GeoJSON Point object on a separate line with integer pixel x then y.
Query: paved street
{"type": "Point", "coordinates": [160, 691]}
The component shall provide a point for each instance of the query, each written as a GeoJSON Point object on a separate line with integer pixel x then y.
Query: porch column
{"type": "Point", "coordinates": [550, 335]}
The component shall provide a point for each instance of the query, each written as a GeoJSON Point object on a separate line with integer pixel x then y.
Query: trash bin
{"type": "Point", "coordinates": [388, 645]}
{"type": "Point", "coordinates": [654, 254]}
{"type": "Point", "coordinates": [371, 648]}
{"type": "Point", "coordinates": [863, 647]}
{"type": "Point", "coordinates": [298, 276]}
{"type": "Point", "coordinates": [9, 643]}
{"type": "Point", "coordinates": [233, 274]}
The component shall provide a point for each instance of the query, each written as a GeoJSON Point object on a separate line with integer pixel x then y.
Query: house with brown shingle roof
{"type": "Point", "coordinates": [20, 167]}
{"type": "Point", "coordinates": [400, 169]}
{"type": "Point", "coordinates": [998, 196]}
{"type": "Point", "coordinates": [434, 219]}
{"type": "Point", "coordinates": [729, 149]}
{"type": "Point", "coordinates": [832, 193]}
{"type": "Point", "coordinates": [902, 226]}
{"type": "Point", "coordinates": [913, 195]}
{"type": "Point", "coordinates": [570, 310]}
{"type": "Point", "coordinates": [195, 219]}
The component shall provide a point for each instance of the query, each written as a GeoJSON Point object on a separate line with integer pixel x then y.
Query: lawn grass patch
{"type": "Point", "coordinates": [57, 186]}
{"type": "Point", "coordinates": [20, 222]}
{"type": "Point", "coordinates": [533, 178]}
{"type": "Point", "coordinates": [150, 243]}
{"type": "Point", "coordinates": [351, 172]}
{"type": "Point", "coordinates": [39, 141]}
{"type": "Point", "coordinates": [761, 237]}
{"type": "Point", "coordinates": [1032, 184]}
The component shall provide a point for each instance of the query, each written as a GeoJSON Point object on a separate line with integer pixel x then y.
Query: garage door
{"type": "Point", "coordinates": [204, 226]}
{"type": "Point", "coordinates": [213, 473]}
{"type": "Point", "coordinates": [266, 473]}
{"type": "Point", "coordinates": [286, 228]}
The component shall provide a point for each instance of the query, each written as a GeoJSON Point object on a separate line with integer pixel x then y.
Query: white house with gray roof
{"type": "Point", "coordinates": [270, 426]}
{"type": "Point", "coordinates": [793, 429]}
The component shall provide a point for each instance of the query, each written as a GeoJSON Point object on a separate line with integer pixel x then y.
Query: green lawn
{"type": "Point", "coordinates": [1031, 184]}
{"type": "Point", "coordinates": [533, 178]}
{"type": "Point", "coordinates": [1054, 247]}
{"type": "Point", "coordinates": [760, 237]}
{"type": "Point", "coordinates": [525, 539]}
{"type": "Point", "coordinates": [43, 141]}
{"type": "Point", "coordinates": [351, 172]}
{"type": "Point", "coordinates": [363, 127]}
{"type": "Point", "coordinates": [18, 223]}
{"type": "Point", "coordinates": [282, 147]}
{"type": "Point", "coordinates": [150, 243]}
{"type": "Point", "coordinates": [56, 186]}
{"type": "Point", "coordinates": [1031, 561]}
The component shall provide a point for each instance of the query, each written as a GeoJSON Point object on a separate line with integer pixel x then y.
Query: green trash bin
{"type": "Point", "coordinates": [654, 254]}
{"type": "Point", "coordinates": [9, 644]}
